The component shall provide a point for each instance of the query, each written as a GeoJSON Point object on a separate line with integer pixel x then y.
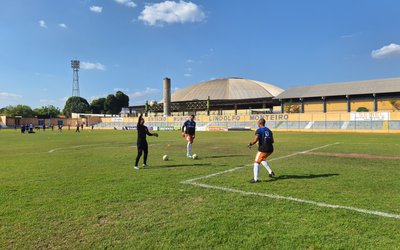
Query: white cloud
{"type": "Point", "coordinates": [92, 66]}
{"type": "Point", "coordinates": [190, 61]}
{"type": "Point", "coordinates": [127, 3]}
{"type": "Point", "coordinates": [188, 75]}
{"type": "Point", "coordinates": [9, 96]}
{"type": "Point", "coordinates": [140, 97]}
{"type": "Point", "coordinates": [171, 12]}
{"type": "Point", "coordinates": [42, 24]}
{"type": "Point", "coordinates": [62, 25]}
{"type": "Point", "coordinates": [144, 93]}
{"type": "Point", "coordinates": [96, 9]}
{"type": "Point", "coordinates": [386, 51]}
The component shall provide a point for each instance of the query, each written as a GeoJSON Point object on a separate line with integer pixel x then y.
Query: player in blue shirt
{"type": "Point", "coordinates": [265, 140]}
{"type": "Point", "coordinates": [189, 131]}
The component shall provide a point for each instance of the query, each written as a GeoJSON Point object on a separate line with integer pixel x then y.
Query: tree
{"type": "Point", "coordinates": [123, 100]}
{"type": "Point", "coordinates": [19, 110]}
{"type": "Point", "coordinates": [47, 111]}
{"type": "Point", "coordinates": [111, 105]}
{"type": "Point", "coordinates": [75, 104]}
{"type": "Point", "coordinates": [97, 106]}
{"type": "Point", "coordinates": [362, 109]}
{"type": "Point", "coordinates": [395, 104]}
{"type": "Point", "coordinates": [291, 107]}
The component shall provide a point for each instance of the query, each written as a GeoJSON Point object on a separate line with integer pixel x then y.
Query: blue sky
{"type": "Point", "coordinates": [132, 45]}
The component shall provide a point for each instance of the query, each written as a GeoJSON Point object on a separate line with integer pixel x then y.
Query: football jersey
{"type": "Point", "coordinates": [265, 140]}
{"type": "Point", "coordinates": [190, 127]}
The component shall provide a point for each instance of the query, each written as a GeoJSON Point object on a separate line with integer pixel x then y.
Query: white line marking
{"type": "Point", "coordinates": [273, 159]}
{"type": "Point", "coordinates": [320, 204]}
{"type": "Point", "coordinates": [211, 175]}
{"type": "Point", "coordinates": [274, 196]}
{"type": "Point", "coordinates": [78, 146]}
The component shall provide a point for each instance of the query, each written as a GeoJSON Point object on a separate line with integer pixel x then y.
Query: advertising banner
{"type": "Point", "coordinates": [117, 119]}
{"type": "Point", "coordinates": [217, 128]}
{"type": "Point", "coordinates": [369, 116]}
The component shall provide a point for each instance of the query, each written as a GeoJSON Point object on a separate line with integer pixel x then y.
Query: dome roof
{"type": "Point", "coordinates": [226, 89]}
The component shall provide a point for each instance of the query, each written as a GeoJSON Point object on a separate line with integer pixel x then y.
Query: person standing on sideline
{"type": "Point", "coordinates": [265, 139]}
{"type": "Point", "coordinates": [189, 132]}
{"type": "Point", "coordinates": [77, 127]}
{"type": "Point", "coordinates": [142, 146]}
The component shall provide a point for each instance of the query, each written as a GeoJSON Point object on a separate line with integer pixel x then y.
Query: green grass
{"type": "Point", "coordinates": [85, 193]}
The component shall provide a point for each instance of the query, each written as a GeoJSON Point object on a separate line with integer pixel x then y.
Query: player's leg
{"type": "Point", "coordinates": [189, 146]}
{"type": "Point", "coordinates": [146, 152]}
{"type": "Point", "coordinates": [256, 168]}
{"type": "Point", "coordinates": [265, 163]}
{"type": "Point", "coordinates": [139, 154]}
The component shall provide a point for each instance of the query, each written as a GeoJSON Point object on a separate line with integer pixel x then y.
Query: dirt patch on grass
{"type": "Point", "coordinates": [354, 155]}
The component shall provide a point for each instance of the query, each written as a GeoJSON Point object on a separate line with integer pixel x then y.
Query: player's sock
{"type": "Point", "coordinates": [266, 165]}
{"type": "Point", "coordinates": [256, 169]}
{"type": "Point", "coordinates": [189, 149]}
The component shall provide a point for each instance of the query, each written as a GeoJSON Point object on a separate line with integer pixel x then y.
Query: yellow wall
{"type": "Point", "coordinates": [336, 106]}
{"type": "Point", "coordinates": [385, 105]}
{"type": "Point", "coordinates": [317, 116]}
{"type": "Point", "coordinates": [3, 119]}
{"type": "Point", "coordinates": [369, 104]}
{"type": "Point", "coordinates": [313, 107]}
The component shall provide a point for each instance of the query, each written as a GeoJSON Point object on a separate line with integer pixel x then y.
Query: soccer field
{"type": "Point", "coordinates": [69, 190]}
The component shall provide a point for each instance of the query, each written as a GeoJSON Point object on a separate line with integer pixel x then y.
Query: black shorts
{"type": "Point", "coordinates": [142, 146]}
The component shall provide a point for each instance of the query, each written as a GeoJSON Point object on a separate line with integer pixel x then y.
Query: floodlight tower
{"type": "Point", "coordinates": [75, 65]}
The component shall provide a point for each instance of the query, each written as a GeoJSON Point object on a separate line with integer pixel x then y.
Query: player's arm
{"type": "Point", "coordinates": [138, 121]}
{"type": "Point", "coordinates": [254, 141]}
{"type": "Point", "coordinates": [183, 129]}
{"type": "Point", "coordinates": [150, 134]}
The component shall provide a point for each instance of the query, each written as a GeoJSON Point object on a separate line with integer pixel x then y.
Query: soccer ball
{"type": "Point", "coordinates": [194, 156]}
{"type": "Point", "coordinates": [165, 158]}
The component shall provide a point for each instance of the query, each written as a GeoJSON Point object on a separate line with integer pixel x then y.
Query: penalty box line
{"type": "Point", "coordinates": [280, 197]}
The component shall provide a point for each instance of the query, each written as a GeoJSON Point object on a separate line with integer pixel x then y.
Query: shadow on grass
{"type": "Point", "coordinates": [221, 156]}
{"type": "Point", "coordinates": [309, 176]}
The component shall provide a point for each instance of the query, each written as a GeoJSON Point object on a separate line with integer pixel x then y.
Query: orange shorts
{"type": "Point", "coordinates": [190, 138]}
{"type": "Point", "coordinates": [262, 156]}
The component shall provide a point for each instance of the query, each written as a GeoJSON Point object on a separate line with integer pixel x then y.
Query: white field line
{"type": "Point", "coordinates": [274, 196]}
{"type": "Point", "coordinates": [72, 147]}
{"type": "Point", "coordinates": [315, 203]}
{"type": "Point", "coordinates": [273, 159]}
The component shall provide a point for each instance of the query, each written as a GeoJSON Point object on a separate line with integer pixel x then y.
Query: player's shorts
{"type": "Point", "coordinates": [262, 156]}
{"type": "Point", "coordinates": [190, 138]}
{"type": "Point", "coordinates": [142, 146]}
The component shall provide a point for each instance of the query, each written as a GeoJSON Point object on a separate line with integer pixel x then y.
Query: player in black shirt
{"type": "Point", "coordinates": [142, 146]}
